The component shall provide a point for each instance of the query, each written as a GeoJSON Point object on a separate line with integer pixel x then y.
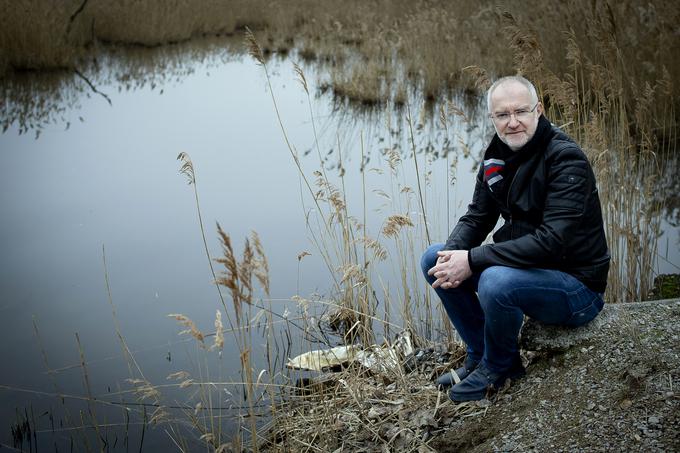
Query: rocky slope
{"type": "Point", "coordinates": [613, 385]}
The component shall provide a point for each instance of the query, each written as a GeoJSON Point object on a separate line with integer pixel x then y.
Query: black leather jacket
{"type": "Point", "coordinates": [552, 214]}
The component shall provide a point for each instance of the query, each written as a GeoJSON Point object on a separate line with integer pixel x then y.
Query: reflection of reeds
{"type": "Point", "coordinates": [395, 43]}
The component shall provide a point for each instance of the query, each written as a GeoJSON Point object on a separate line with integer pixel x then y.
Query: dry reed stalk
{"type": "Point", "coordinates": [52, 374]}
{"type": "Point", "coordinates": [187, 169]}
{"type": "Point", "coordinates": [129, 356]}
{"type": "Point", "coordinates": [409, 120]}
{"type": "Point", "coordinates": [90, 398]}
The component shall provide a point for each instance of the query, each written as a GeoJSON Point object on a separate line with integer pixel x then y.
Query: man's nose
{"type": "Point", "coordinates": [513, 121]}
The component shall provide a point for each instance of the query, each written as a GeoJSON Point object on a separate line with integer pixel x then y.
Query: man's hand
{"type": "Point", "coordinates": [451, 270]}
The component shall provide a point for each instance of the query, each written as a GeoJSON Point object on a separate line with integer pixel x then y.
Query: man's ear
{"type": "Point", "coordinates": [539, 108]}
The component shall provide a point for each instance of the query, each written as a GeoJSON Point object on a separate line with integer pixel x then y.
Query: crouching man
{"type": "Point", "coordinates": [549, 260]}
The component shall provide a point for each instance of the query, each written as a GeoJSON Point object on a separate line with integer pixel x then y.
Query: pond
{"type": "Point", "coordinates": [94, 207]}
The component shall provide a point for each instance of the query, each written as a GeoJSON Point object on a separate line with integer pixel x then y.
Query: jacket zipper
{"type": "Point", "coordinates": [507, 198]}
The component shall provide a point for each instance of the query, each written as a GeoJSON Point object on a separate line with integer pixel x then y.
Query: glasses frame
{"type": "Point", "coordinates": [516, 114]}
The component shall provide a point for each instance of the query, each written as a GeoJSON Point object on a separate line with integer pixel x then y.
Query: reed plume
{"type": "Point", "coordinates": [219, 333]}
{"type": "Point", "coordinates": [229, 278]}
{"type": "Point", "coordinates": [191, 327]}
{"type": "Point", "coordinates": [395, 223]}
{"type": "Point", "coordinates": [254, 49]}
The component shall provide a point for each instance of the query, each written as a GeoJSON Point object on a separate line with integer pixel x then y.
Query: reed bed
{"type": "Point", "coordinates": [426, 42]}
{"type": "Point", "coordinates": [373, 51]}
{"type": "Point", "coordinates": [628, 131]}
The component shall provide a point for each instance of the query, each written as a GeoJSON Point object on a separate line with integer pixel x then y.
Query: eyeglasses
{"type": "Point", "coordinates": [520, 115]}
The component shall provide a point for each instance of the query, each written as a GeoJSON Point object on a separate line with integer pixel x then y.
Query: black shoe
{"type": "Point", "coordinates": [448, 379]}
{"type": "Point", "coordinates": [481, 380]}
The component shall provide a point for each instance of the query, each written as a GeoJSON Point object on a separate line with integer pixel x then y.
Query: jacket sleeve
{"type": "Point", "coordinates": [568, 187]}
{"type": "Point", "coordinates": [478, 221]}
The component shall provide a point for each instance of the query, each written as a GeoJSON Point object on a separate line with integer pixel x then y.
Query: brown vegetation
{"type": "Point", "coordinates": [425, 42]}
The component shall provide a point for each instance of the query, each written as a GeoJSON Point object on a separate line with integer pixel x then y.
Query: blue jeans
{"type": "Point", "coordinates": [488, 308]}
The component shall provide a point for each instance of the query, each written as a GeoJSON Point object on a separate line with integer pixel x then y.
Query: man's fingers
{"type": "Point", "coordinates": [444, 284]}
{"type": "Point", "coordinates": [434, 270]}
{"type": "Point", "coordinates": [439, 282]}
{"type": "Point", "coordinates": [443, 256]}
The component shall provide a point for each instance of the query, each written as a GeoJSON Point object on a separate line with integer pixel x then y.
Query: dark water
{"type": "Point", "coordinates": [105, 177]}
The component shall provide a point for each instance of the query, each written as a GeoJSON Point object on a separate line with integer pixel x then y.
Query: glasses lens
{"type": "Point", "coordinates": [520, 115]}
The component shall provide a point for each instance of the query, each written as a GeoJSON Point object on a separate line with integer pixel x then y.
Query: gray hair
{"type": "Point", "coordinates": [519, 79]}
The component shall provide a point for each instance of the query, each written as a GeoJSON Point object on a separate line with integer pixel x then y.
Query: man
{"type": "Point", "coordinates": [549, 260]}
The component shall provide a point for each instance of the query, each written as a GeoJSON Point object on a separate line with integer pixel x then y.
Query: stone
{"type": "Point", "coordinates": [536, 336]}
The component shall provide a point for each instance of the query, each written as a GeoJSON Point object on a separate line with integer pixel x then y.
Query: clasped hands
{"type": "Point", "coordinates": [451, 270]}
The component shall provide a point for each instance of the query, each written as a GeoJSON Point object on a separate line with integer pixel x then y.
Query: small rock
{"type": "Point", "coordinates": [376, 412]}
{"type": "Point", "coordinates": [653, 420]}
{"type": "Point", "coordinates": [590, 406]}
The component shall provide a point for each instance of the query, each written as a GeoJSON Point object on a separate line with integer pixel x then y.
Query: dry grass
{"type": "Point", "coordinates": [426, 42]}
{"type": "Point", "coordinates": [373, 51]}
{"type": "Point", "coordinates": [357, 409]}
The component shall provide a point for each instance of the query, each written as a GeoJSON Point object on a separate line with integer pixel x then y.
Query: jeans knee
{"type": "Point", "coordinates": [495, 286]}
{"type": "Point", "coordinates": [429, 258]}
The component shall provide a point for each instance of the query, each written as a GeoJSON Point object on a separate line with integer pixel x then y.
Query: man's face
{"type": "Point", "coordinates": [516, 130]}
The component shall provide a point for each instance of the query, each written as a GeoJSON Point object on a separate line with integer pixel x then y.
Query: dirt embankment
{"type": "Point", "coordinates": [611, 386]}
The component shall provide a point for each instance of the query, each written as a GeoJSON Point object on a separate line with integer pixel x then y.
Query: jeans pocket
{"type": "Point", "coordinates": [585, 314]}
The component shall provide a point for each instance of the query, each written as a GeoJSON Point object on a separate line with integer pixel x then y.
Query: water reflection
{"type": "Point", "coordinates": [34, 100]}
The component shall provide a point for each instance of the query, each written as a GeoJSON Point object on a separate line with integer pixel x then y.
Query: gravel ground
{"type": "Point", "coordinates": [612, 386]}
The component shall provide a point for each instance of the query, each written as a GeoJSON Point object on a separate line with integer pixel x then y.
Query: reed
{"type": "Point", "coordinates": [627, 130]}
{"type": "Point", "coordinates": [425, 42]}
